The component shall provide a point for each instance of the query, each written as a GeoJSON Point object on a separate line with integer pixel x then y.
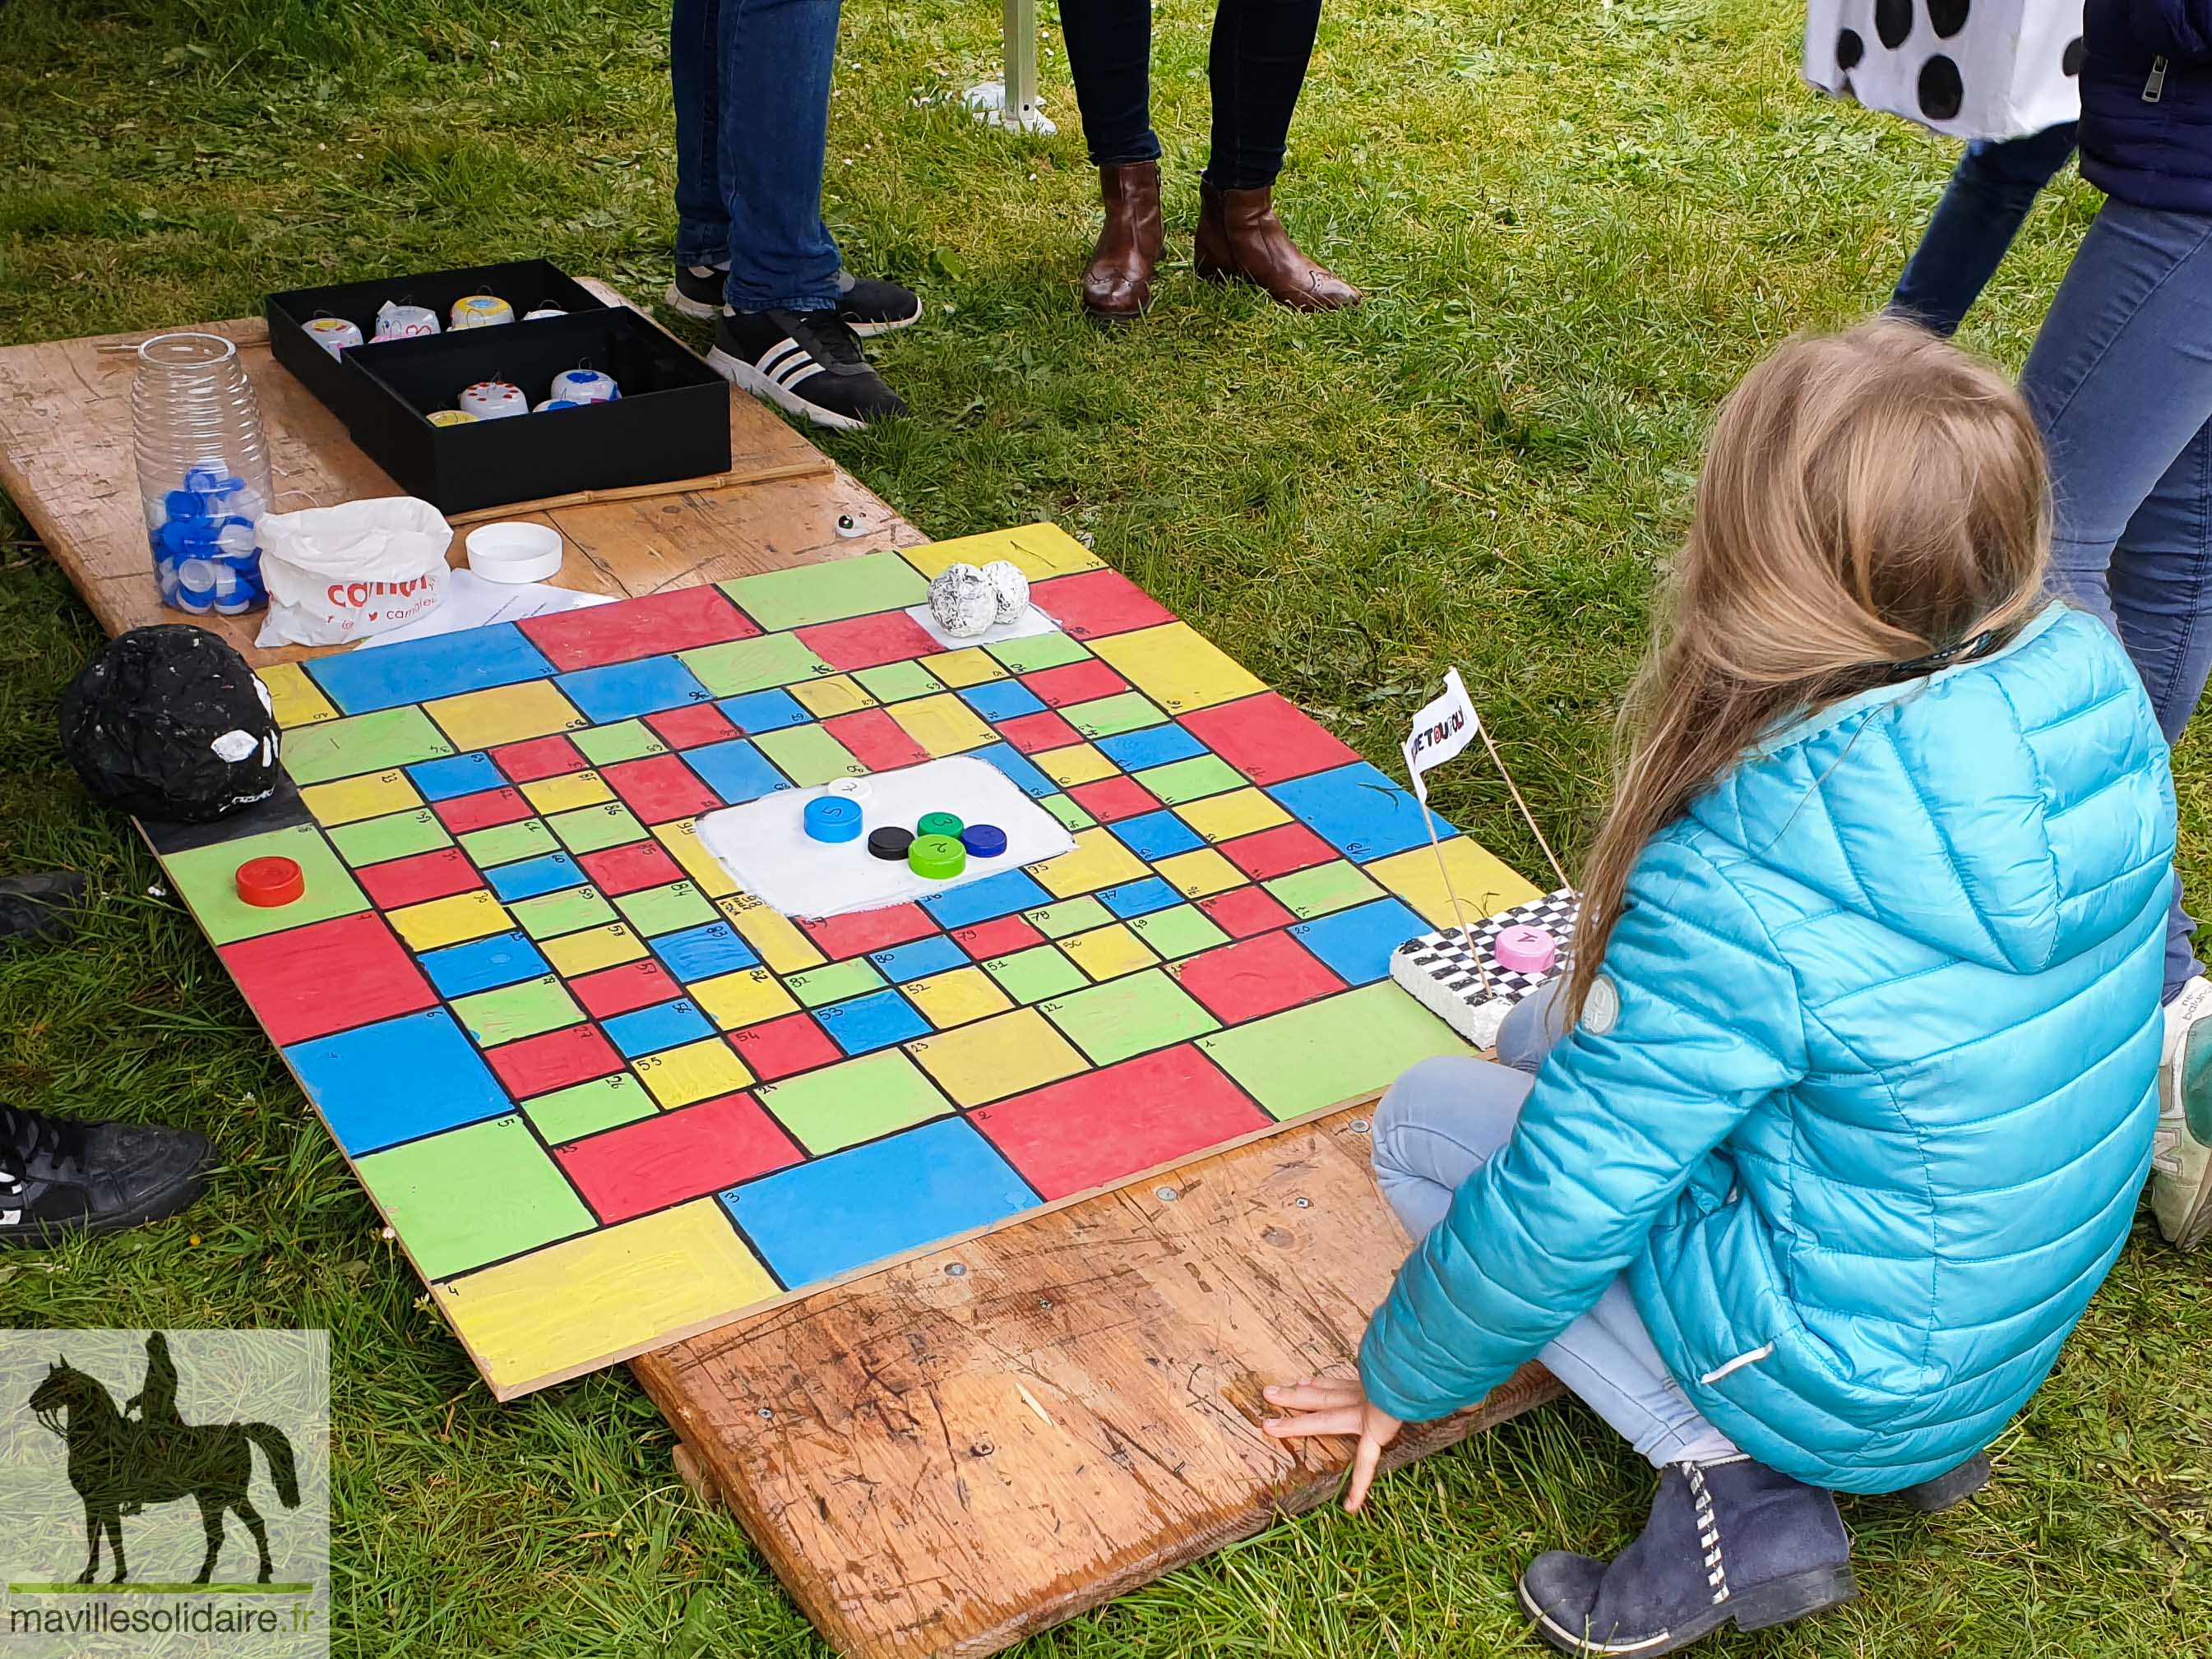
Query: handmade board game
{"type": "Point", "coordinates": [1454, 972]}
{"type": "Point", "coordinates": [605, 1098]}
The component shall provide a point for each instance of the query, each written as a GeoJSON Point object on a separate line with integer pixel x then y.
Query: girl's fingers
{"type": "Point", "coordinates": [1340, 1419]}
{"type": "Point", "coordinates": [1364, 1462]}
{"type": "Point", "coordinates": [1313, 1394]}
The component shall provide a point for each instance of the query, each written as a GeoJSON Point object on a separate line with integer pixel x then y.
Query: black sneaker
{"type": "Point", "coordinates": [37, 907]}
{"type": "Point", "coordinates": [59, 1177]}
{"type": "Point", "coordinates": [865, 305]}
{"type": "Point", "coordinates": [806, 361]}
{"type": "Point", "coordinates": [697, 290]}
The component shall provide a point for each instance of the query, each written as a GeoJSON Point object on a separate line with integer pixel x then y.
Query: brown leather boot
{"type": "Point", "coordinates": [1240, 239]}
{"type": "Point", "coordinates": [1117, 284]}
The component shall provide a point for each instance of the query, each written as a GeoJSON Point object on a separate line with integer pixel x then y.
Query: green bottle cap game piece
{"type": "Point", "coordinates": [939, 823]}
{"type": "Point", "coordinates": [936, 858]}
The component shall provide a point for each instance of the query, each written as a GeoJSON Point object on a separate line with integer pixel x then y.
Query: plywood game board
{"type": "Point", "coordinates": [605, 1099]}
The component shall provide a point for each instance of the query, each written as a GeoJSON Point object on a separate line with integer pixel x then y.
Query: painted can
{"type": "Point", "coordinates": [585, 385]}
{"type": "Point", "coordinates": [398, 322]}
{"type": "Point", "coordinates": [541, 313]}
{"type": "Point", "coordinates": [494, 400]}
{"type": "Point", "coordinates": [480, 311]}
{"type": "Point", "coordinates": [333, 334]}
{"type": "Point", "coordinates": [551, 404]}
{"type": "Point", "coordinates": [449, 417]}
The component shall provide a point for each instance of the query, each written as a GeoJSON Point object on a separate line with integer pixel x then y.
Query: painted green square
{"type": "Point", "coordinates": [503, 843]}
{"type": "Point", "coordinates": [1128, 1016]}
{"type": "Point", "coordinates": [514, 1012]}
{"type": "Point", "coordinates": [1033, 975]}
{"type": "Point", "coordinates": [362, 742]}
{"type": "Point", "coordinates": [807, 755]}
{"type": "Point", "coordinates": [664, 909]}
{"type": "Point", "coordinates": [843, 1104]}
{"type": "Point", "coordinates": [1332, 1051]}
{"type": "Point", "coordinates": [394, 835]}
{"type": "Point", "coordinates": [206, 878]}
{"type": "Point", "coordinates": [1067, 811]}
{"type": "Point", "coordinates": [587, 828]}
{"type": "Point", "coordinates": [1073, 915]}
{"type": "Point", "coordinates": [552, 913]}
{"type": "Point", "coordinates": [833, 983]}
{"type": "Point", "coordinates": [603, 745]}
{"type": "Point", "coordinates": [1192, 780]}
{"type": "Point", "coordinates": [1050, 650]}
{"type": "Point", "coordinates": [1109, 716]}
{"type": "Point", "coordinates": [829, 592]}
{"type": "Point", "coordinates": [1182, 931]}
{"type": "Point", "coordinates": [737, 666]}
{"type": "Point", "coordinates": [473, 1195]}
{"type": "Point", "coordinates": [588, 1107]}
{"type": "Point", "coordinates": [895, 681]}
{"type": "Point", "coordinates": [1326, 888]}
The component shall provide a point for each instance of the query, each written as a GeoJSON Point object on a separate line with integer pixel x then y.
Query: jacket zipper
{"type": "Point", "coordinates": [2154, 88]}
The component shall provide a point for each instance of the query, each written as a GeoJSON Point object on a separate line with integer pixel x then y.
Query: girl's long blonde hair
{"type": "Point", "coordinates": [1869, 499]}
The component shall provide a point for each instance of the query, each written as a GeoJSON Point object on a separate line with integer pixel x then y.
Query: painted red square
{"type": "Point", "coordinates": [866, 642]}
{"type": "Point", "coordinates": [666, 1158]}
{"type": "Point", "coordinates": [554, 1060]}
{"type": "Point", "coordinates": [415, 880]}
{"type": "Point", "coordinates": [614, 991]}
{"type": "Point", "coordinates": [692, 725]}
{"type": "Point", "coordinates": [1033, 734]}
{"type": "Point", "coordinates": [674, 620]}
{"type": "Point", "coordinates": [838, 937]}
{"type": "Point", "coordinates": [784, 1047]}
{"type": "Point", "coordinates": [1108, 1125]}
{"type": "Point", "coordinates": [618, 870]}
{"type": "Point", "coordinates": [876, 740]}
{"type": "Point", "coordinates": [659, 787]}
{"type": "Point", "coordinates": [1277, 852]}
{"type": "Point", "coordinates": [999, 938]}
{"type": "Point", "coordinates": [1244, 911]}
{"type": "Point", "coordinates": [1114, 798]}
{"type": "Point", "coordinates": [1268, 740]}
{"type": "Point", "coordinates": [328, 976]}
{"type": "Point", "coordinates": [1256, 976]}
{"type": "Point", "coordinates": [1075, 682]}
{"type": "Point", "coordinates": [540, 758]}
{"type": "Point", "coordinates": [1098, 602]}
{"type": "Point", "coordinates": [483, 810]}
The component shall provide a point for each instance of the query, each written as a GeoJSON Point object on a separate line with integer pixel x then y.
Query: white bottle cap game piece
{"type": "Point", "coordinates": [494, 400]}
{"type": "Point", "coordinates": [480, 311]}
{"type": "Point", "coordinates": [398, 322]}
{"type": "Point", "coordinates": [513, 551]}
{"type": "Point", "coordinates": [333, 334]}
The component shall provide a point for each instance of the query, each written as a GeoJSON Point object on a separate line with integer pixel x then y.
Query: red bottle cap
{"type": "Point", "coordinates": [271, 882]}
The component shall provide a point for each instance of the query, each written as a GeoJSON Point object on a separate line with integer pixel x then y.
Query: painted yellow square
{"type": "Point", "coordinates": [1037, 550]}
{"type": "Point", "coordinates": [295, 699]}
{"type": "Point", "coordinates": [747, 997]}
{"type": "Point", "coordinates": [1097, 861]}
{"type": "Point", "coordinates": [1109, 952]}
{"type": "Point", "coordinates": [1486, 883]}
{"type": "Point", "coordinates": [1077, 763]}
{"type": "Point", "coordinates": [1001, 1057]}
{"type": "Point", "coordinates": [956, 997]}
{"type": "Point", "coordinates": [592, 949]}
{"type": "Point", "coordinates": [505, 714]}
{"type": "Point", "coordinates": [971, 667]}
{"type": "Point", "coordinates": [942, 725]}
{"type": "Point", "coordinates": [369, 796]}
{"type": "Point", "coordinates": [1239, 812]}
{"type": "Point", "coordinates": [681, 838]}
{"type": "Point", "coordinates": [697, 1071]}
{"type": "Point", "coordinates": [773, 935]}
{"type": "Point", "coordinates": [1178, 666]}
{"type": "Point", "coordinates": [449, 921]}
{"type": "Point", "coordinates": [567, 793]}
{"type": "Point", "coordinates": [1194, 875]}
{"type": "Point", "coordinates": [841, 694]}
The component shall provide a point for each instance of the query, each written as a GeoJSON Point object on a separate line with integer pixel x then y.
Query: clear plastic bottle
{"type": "Point", "coordinates": [203, 473]}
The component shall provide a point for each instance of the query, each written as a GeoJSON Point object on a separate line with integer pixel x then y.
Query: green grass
{"type": "Point", "coordinates": [1578, 226]}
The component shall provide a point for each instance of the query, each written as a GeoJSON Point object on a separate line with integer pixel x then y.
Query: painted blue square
{"type": "Point", "coordinates": [1149, 745]}
{"type": "Point", "coordinates": [549, 872]}
{"type": "Point", "coordinates": [920, 959]}
{"type": "Point", "coordinates": [1002, 700]}
{"type": "Point", "coordinates": [763, 711]}
{"type": "Point", "coordinates": [1357, 811]}
{"type": "Point", "coordinates": [623, 689]}
{"type": "Point", "coordinates": [456, 774]}
{"type": "Point", "coordinates": [1141, 898]}
{"type": "Point", "coordinates": [1016, 765]}
{"type": "Point", "coordinates": [416, 670]}
{"type": "Point", "coordinates": [875, 1021]}
{"type": "Point", "coordinates": [648, 1030]}
{"type": "Point", "coordinates": [702, 952]}
{"type": "Point", "coordinates": [735, 770]}
{"type": "Point", "coordinates": [483, 965]}
{"type": "Point", "coordinates": [979, 901]}
{"type": "Point", "coordinates": [1154, 835]}
{"type": "Point", "coordinates": [869, 1203]}
{"type": "Point", "coordinates": [399, 1079]}
{"type": "Point", "coordinates": [1357, 943]}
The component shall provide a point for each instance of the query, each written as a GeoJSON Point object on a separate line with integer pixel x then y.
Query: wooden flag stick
{"type": "Point", "coordinates": [1452, 893]}
{"type": "Point", "coordinates": [1558, 869]}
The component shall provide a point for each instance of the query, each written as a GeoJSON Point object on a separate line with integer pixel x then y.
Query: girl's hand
{"type": "Point", "coordinates": [1336, 1408]}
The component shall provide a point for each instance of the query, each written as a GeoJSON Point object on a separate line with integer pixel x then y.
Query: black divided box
{"type": "Point", "coordinates": [672, 420]}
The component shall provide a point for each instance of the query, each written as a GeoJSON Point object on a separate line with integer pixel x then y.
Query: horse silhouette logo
{"type": "Point", "coordinates": [118, 1464]}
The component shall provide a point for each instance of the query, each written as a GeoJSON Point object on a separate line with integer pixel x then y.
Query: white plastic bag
{"type": "Point", "coordinates": [1993, 68]}
{"type": "Point", "coordinates": [340, 573]}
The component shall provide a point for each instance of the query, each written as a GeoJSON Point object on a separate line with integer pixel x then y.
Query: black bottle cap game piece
{"type": "Point", "coordinates": [890, 842]}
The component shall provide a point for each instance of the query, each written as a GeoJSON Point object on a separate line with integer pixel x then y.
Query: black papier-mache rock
{"type": "Point", "coordinates": [170, 723]}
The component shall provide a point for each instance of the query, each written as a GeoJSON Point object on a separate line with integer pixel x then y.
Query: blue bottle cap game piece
{"type": "Point", "coordinates": [983, 841]}
{"type": "Point", "coordinates": [832, 819]}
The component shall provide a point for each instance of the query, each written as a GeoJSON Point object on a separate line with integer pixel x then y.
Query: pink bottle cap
{"type": "Point", "coordinates": [1523, 950]}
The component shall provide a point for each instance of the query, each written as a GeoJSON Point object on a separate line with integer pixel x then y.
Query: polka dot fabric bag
{"type": "Point", "coordinates": [1973, 69]}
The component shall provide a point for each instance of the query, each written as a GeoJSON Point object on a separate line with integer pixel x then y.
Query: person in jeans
{"type": "Point", "coordinates": [751, 81]}
{"type": "Point", "coordinates": [1257, 66]}
{"type": "Point", "coordinates": [2120, 382]}
{"type": "Point", "coordinates": [1994, 185]}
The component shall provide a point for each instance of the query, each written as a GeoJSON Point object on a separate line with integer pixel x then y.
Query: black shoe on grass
{"type": "Point", "coordinates": [806, 361]}
{"type": "Point", "coordinates": [58, 1177]}
{"type": "Point", "coordinates": [37, 907]}
{"type": "Point", "coordinates": [697, 290]}
{"type": "Point", "coordinates": [865, 304]}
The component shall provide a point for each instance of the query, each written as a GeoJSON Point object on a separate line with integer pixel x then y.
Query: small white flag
{"type": "Point", "coordinates": [1440, 730]}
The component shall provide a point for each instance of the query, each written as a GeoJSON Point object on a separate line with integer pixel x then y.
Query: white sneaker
{"type": "Point", "coordinates": [2181, 1157]}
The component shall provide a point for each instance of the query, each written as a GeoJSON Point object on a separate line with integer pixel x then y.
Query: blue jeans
{"type": "Point", "coordinates": [2120, 381]}
{"type": "Point", "coordinates": [751, 80]}
{"type": "Point", "coordinates": [1441, 1122]}
{"type": "Point", "coordinates": [1996, 183]}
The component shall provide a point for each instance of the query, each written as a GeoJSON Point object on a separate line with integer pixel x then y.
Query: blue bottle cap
{"type": "Point", "coordinates": [833, 819]}
{"type": "Point", "coordinates": [185, 504]}
{"type": "Point", "coordinates": [983, 841]}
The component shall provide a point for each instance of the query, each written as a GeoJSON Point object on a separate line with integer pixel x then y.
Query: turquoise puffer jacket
{"type": "Point", "coordinates": [1870, 1124]}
